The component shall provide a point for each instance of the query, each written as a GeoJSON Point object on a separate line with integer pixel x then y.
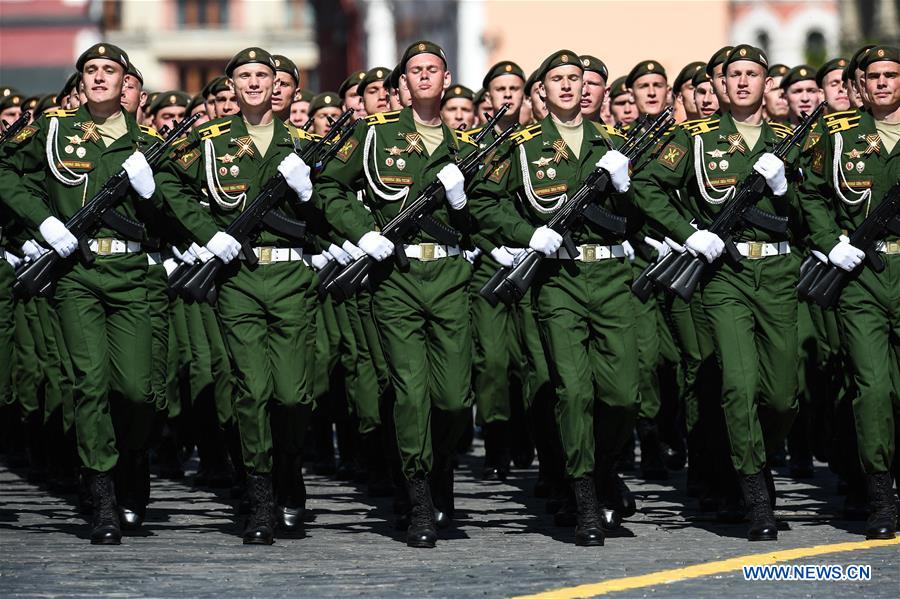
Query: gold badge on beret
{"type": "Point", "coordinates": [650, 66]}
{"type": "Point", "coordinates": [422, 47]}
{"type": "Point", "coordinates": [252, 54]}
{"type": "Point", "coordinates": [564, 58]}
{"type": "Point", "coordinates": [507, 68]}
{"type": "Point", "coordinates": [743, 52]}
{"type": "Point", "coordinates": [101, 50]}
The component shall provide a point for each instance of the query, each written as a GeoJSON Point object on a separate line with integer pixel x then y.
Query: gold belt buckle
{"type": "Point", "coordinates": [892, 247]}
{"type": "Point", "coordinates": [265, 255]}
{"type": "Point", "coordinates": [589, 253]}
{"type": "Point", "coordinates": [756, 250]}
{"type": "Point", "coordinates": [427, 252]}
{"type": "Point", "coordinates": [104, 246]}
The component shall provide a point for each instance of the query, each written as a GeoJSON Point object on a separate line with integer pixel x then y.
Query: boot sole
{"type": "Point", "coordinates": [882, 536]}
{"type": "Point", "coordinates": [106, 541]}
{"type": "Point", "coordinates": [258, 542]}
{"type": "Point", "coordinates": [420, 545]}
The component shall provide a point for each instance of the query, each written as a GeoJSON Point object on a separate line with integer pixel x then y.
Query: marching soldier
{"type": "Point", "coordinates": [621, 104]}
{"type": "Point", "coordinates": [830, 79]}
{"type": "Point", "coordinates": [704, 97]}
{"type": "Point", "coordinates": [595, 77]}
{"type": "Point", "coordinates": [349, 97]}
{"type": "Point", "coordinates": [371, 88]}
{"type": "Point", "coordinates": [649, 86]}
{"type": "Point", "coordinates": [683, 88]}
{"type": "Point", "coordinates": [458, 108]}
{"type": "Point", "coordinates": [300, 108]}
{"type": "Point", "coordinates": [287, 80]}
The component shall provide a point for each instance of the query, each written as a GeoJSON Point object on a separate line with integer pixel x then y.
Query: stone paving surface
{"type": "Point", "coordinates": [503, 545]}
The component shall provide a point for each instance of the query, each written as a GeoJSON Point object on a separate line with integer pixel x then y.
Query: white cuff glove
{"type": "Point", "coordinates": [674, 245]}
{"type": "Point", "coordinates": [343, 258]}
{"type": "Point", "coordinates": [503, 256]}
{"type": "Point", "coordinates": [320, 260]}
{"type": "Point", "coordinates": [454, 184]}
{"type": "Point", "coordinates": [376, 245]}
{"type": "Point", "coordinates": [351, 249]}
{"type": "Point", "coordinates": [58, 236]}
{"type": "Point", "coordinates": [140, 175]}
{"type": "Point", "coordinates": [13, 260]}
{"type": "Point", "coordinates": [629, 251]}
{"type": "Point", "coordinates": [170, 265]}
{"type": "Point", "coordinates": [706, 243]}
{"type": "Point", "coordinates": [822, 257]}
{"type": "Point", "coordinates": [846, 256]}
{"type": "Point", "coordinates": [616, 164]}
{"type": "Point", "coordinates": [545, 240]}
{"type": "Point", "coordinates": [296, 173]}
{"type": "Point", "coordinates": [33, 250]}
{"type": "Point", "coordinates": [772, 168]}
{"type": "Point", "coordinates": [471, 255]}
{"type": "Point", "coordinates": [223, 246]}
{"type": "Point", "coordinates": [662, 248]}
{"type": "Point", "coordinates": [198, 252]}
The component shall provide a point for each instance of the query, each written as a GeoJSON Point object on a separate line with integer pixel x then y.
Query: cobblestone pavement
{"type": "Point", "coordinates": [504, 545]}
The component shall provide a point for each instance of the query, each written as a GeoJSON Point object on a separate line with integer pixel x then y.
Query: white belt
{"type": "Point", "coordinates": [888, 247]}
{"type": "Point", "coordinates": [270, 255]}
{"type": "Point", "coordinates": [591, 252]}
{"type": "Point", "coordinates": [106, 246]}
{"type": "Point", "coordinates": [754, 250]}
{"type": "Point", "coordinates": [429, 251]}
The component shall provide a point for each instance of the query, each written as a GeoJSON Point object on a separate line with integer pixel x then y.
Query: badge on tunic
{"type": "Point", "coordinates": [712, 165]}
{"type": "Point", "coordinates": [69, 149]}
{"type": "Point", "coordinates": [80, 152]}
{"type": "Point", "coordinates": [91, 133]}
{"type": "Point", "coordinates": [223, 170]}
{"type": "Point", "coordinates": [401, 163]}
{"type": "Point", "coordinates": [860, 167]}
{"type": "Point", "coordinates": [849, 166]}
{"type": "Point", "coordinates": [539, 175]}
{"type": "Point", "coordinates": [541, 162]}
{"type": "Point", "coordinates": [736, 144]}
{"type": "Point", "coordinates": [551, 172]}
{"type": "Point", "coordinates": [562, 152]}
{"type": "Point", "coordinates": [874, 144]}
{"type": "Point", "coordinates": [245, 146]}
{"type": "Point", "coordinates": [723, 164]}
{"type": "Point", "coordinates": [853, 154]}
{"type": "Point", "coordinates": [235, 170]}
{"type": "Point", "coordinates": [393, 151]}
{"type": "Point", "coordinates": [389, 161]}
{"type": "Point", "coordinates": [717, 153]}
{"type": "Point", "coordinates": [413, 143]}
{"type": "Point", "coordinates": [226, 158]}
{"type": "Point", "coordinates": [74, 139]}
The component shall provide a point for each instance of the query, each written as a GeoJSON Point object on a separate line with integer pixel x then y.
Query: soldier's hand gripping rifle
{"type": "Point", "coordinates": [510, 285]}
{"type": "Point", "coordinates": [822, 282]}
{"type": "Point", "coordinates": [418, 216]}
{"type": "Point", "coordinates": [682, 273]}
{"type": "Point", "coordinates": [260, 214]}
{"type": "Point", "coordinates": [38, 276]}
{"type": "Point", "coordinates": [13, 129]}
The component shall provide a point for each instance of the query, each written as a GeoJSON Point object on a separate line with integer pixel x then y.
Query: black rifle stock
{"type": "Point", "coordinates": [38, 276]}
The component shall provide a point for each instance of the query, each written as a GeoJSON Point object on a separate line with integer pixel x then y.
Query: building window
{"type": "Point", "coordinates": [193, 14]}
{"type": "Point", "coordinates": [815, 50]}
{"type": "Point", "coordinates": [192, 76]}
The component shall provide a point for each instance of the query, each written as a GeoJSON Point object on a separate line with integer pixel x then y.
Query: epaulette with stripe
{"type": "Point", "coordinates": [842, 121]}
{"type": "Point", "coordinates": [151, 131]}
{"type": "Point", "coordinates": [61, 113]}
{"type": "Point", "coordinates": [464, 137]}
{"type": "Point", "coordinates": [697, 127]}
{"type": "Point", "coordinates": [781, 130]}
{"type": "Point", "coordinates": [474, 132]}
{"type": "Point", "coordinates": [214, 129]}
{"type": "Point", "coordinates": [530, 132]}
{"type": "Point", "coordinates": [607, 128]}
{"type": "Point", "coordinates": [382, 118]}
{"type": "Point", "coordinates": [300, 133]}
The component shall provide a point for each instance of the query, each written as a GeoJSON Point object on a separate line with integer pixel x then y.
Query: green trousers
{"type": "Point", "coordinates": [869, 316]}
{"type": "Point", "coordinates": [753, 314]}
{"type": "Point", "coordinates": [105, 319]}
{"type": "Point", "coordinates": [586, 315]}
{"type": "Point", "coordinates": [648, 342]}
{"type": "Point", "coordinates": [7, 333]}
{"type": "Point", "coordinates": [164, 356]}
{"type": "Point", "coordinates": [424, 323]}
{"type": "Point", "coordinates": [268, 320]}
{"type": "Point", "coordinates": [687, 339]}
{"type": "Point", "coordinates": [367, 389]}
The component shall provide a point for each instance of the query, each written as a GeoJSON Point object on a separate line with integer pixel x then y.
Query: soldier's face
{"type": "Point", "coordinates": [9, 116]}
{"type": "Point", "coordinates": [353, 100]}
{"type": "Point", "coordinates": [835, 91]}
{"type": "Point", "coordinates": [283, 89]}
{"type": "Point", "coordinates": [563, 86]}
{"type": "Point", "coordinates": [426, 78]}
{"type": "Point", "coordinates": [650, 93]}
{"type": "Point", "coordinates": [538, 105]}
{"type": "Point", "coordinates": [204, 116]}
{"type": "Point", "coordinates": [375, 98]}
{"type": "Point", "coordinates": [718, 83]}
{"type": "Point", "coordinates": [226, 103]}
{"type": "Point", "coordinates": [593, 93]}
{"type": "Point", "coordinates": [687, 98]}
{"type": "Point", "coordinates": [623, 108]}
{"type": "Point", "coordinates": [299, 113]}
{"type": "Point", "coordinates": [883, 84]}
{"type": "Point", "coordinates": [211, 106]}
{"type": "Point", "coordinates": [253, 84]}
{"type": "Point", "coordinates": [507, 89]}
{"type": "Point", "coordinates": [167, 116]}
{"type": "Point", "coordinates": [745, 83]}
{"type": "Point", "coordinates": [458, 113]}
{"type": "Point", "coordinates": [705, 99]}
{"type": "Point", "coordinates": [483, 107]}
{"type": "Point", "coordinates": [131, 94]}
{"type": "Point", "coordinates": [776, 100]}
{"type": "Point", "coordinates": [323, 118]}
{"type": "Point", "coordinates": [102, 80]}
{"type": "Point", "coordinates": [802, 97]}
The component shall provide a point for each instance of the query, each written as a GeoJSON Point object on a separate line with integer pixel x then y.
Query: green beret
{"type": "Point", "coordinates": [250, 56]}
{"type": "Point", "coordinates": [853, 64]}
{"type": "Point", "coordinates": [372, 76]}
{"type": "Point", "coordinates": [560, 58]}
{"type": "Point", "coordinates": [169, 98]}
{"type": "Point", "coordinates": [618, 87]}
{"type": "Point", "coordinates": [804, 72]}
{"type": "Point", "coordinates": [879, 54]}
{"type": "Point", "coordinates": [43, 104]}
{"type": "Point", "coordinates": [645, 67]}
{"type": "Point", "coordinates": [134, 72]}
{"type": "Point", "coordinates": [478, 97]}
{"type": "Point", "coordinates": [529, 83]}
{"type": "Point", "coordinates": [286, 65]}
{"type": "Point", "coordinates": [30, 103]}
{"type": "Point", "coordinates": [103, 50]}
{"type": "Point", "coordinates": [777, 70]}
{"type": "Point", "coordinates": [393, 80]}
{"type": "Point", "coordinates": [459, 91]}
{"type": "Point", "coordinates": [12, 100]}
{"type": "Point", "coordinates": [303, 95]}
{"type": "Point", "coordinates": [350, 82]}
{"type": "Point", "coordinates": [5, 91]}
{"type": "Point", "coordinates": [718, 58]}
{"type": "Point", "coordinates": [212, 84]}
{"type": "Point", "coordinates": [422, 47]}
{"type": "Point", "coordinates": [219, 84]}
{"type": "Point", "coordinates": [594, 64]}
{"type": "Point", "coordinates": [687, 74]}
{"type": "Point", "coordinates": [747, 52]}
{"type": "Point", "coordinates": [835, 64]}
{"type": "Point", "coordinates": [700, 77]}
{"type": "Point", "coordinates": [196, 101]}
{"type": "Point", "coordinates": [505, 67]}
{"type": "Point", "coordinates": [70, 84]}
{"type": "Point", "coordinates": [324, 100]}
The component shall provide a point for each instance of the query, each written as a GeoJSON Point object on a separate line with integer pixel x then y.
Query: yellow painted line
{"type": "Point", "coordinates": [705, 569]}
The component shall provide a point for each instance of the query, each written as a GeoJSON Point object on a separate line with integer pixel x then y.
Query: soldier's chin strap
{"type": "Point", "coordinates": [838, 173]}
{"type": "Point", "coordinates": [703, 180]}
{"type": "Point", "coordinates": [212, 178]}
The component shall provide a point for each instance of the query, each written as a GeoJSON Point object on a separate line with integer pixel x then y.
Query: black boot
{"type": "Point", "coordinates": [588, 530]}
{"type": "Point", "coordinates": [652, 465]}
{"type": "Point", "coordinates": [378, 474]}
{"type": "Point", "coordinates": [422, 531]}
{"type": "Point", "coordinates": [105, 524]}
{"type": "Point", "coordinates": [133, 484]}
{"type": "Point", "coordinates": [441, 482]}
{"type": "Point", "coordinates": [756, 497]}
{"type": "Point", "coordinates": [260, 528]}
{"type": "Point", "coordinates": [882, 522]}
{"type": "Point", "coordinates": [496, 451]}
{"type": "Point", "coordinates": [290, 493]}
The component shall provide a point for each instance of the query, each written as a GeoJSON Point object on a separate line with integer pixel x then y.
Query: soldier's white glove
{"type": "Point", "coordinates": [674, 245]}
{"type": "Point", "coordinates": [58, 236]}
{"type": "Point", "coordinates": [846, 256]}
{"type": "Point", "coordinates": [351, 249]}
{"type": "Point", "coordinates": [662, 248]}
{"type": "Point", "coordinates": [170, 265]}
{"type": "Point", "coordinates": [13, 260]}
{"type": "Point", "coordinates": [33, 250]}
{"type": "Point", "coordinates": [772, 168]}
{"type": "Point", "coordinates": [545, 240]}
{"type": "Point", "coordinates": [822, 257]}
{"type": "Point", "coordinates": [320, 260]}
{"type": "Point", "coordinates": [503, 256]}
{"type": "Point", "coordinates": [296, 173]}
{"type": "Point", "coordinates": [376, 245]}
{"type": "Point", "coordinates": [140, 175]}
{"type": "Point", "coordinates": [471, 255]}
{"type": "Point", "coordinates": [706, 243]}
{"type": "Point", "coordinates": [629, 251]}
{"type": "Point", "coordinates": [616, 164]}
{"type": "Point", "coordinates": [223, 246]}
{"type": "Point", "coordinates": [343, 258]}
{"type": "Point", "coordinates": [454, 185]}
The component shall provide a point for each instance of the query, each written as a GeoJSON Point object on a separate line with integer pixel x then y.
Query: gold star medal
{"type": "Point", "coordinates": [74, 139]}
{"type": "Point", "coordinates": [541, 162]}
{"type": "Point", "coordinates": [226, 159]}
{"type": "Point", "coordinates": [717, 153]}
{"type": "Point", "coordinates": [562, 152]}
{"type": "Point", "coordinates": [854, 153]}
{"type": "Point", "coordinates": [393, 151]}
